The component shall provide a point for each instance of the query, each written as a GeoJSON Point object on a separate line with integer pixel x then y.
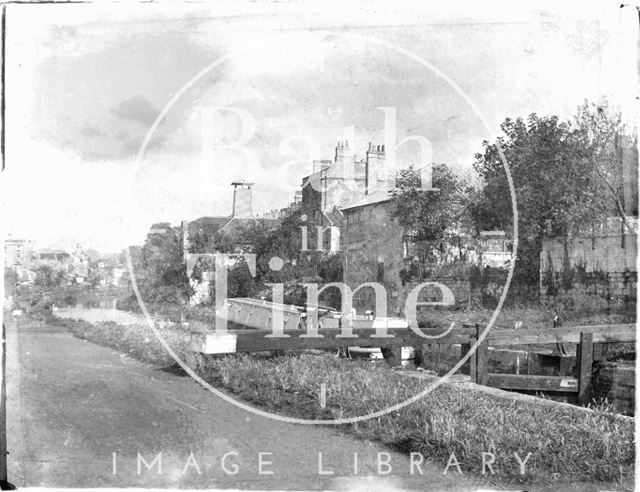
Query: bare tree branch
{"type": "Point", "coordinates": [616, 200]}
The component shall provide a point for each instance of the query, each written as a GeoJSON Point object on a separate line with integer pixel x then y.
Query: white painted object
{"type": "Point", "coordinates": [214, 343]}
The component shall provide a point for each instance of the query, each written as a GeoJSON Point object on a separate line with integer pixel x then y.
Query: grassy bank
{"type": "Point", "coordinates": [566, 444]}
{"type": "Point", "coordinates": [172, 312]}
{"type": "Point", "coordinates": [532, 317]}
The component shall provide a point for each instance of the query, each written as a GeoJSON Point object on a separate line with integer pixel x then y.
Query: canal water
{"type": "Point", "coordinates": [99, 310]}
{"type": "Point", "coordinates": [96, 311]}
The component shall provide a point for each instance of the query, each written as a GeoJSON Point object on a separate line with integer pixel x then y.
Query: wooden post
{"type": "Point", "coordinates": [585, 363]}
{"type": "Point", "coordinates": [464, 350]}
{"type": "Point", "coordinates": [473, 366]}
{"type": "Point", "coordinates": [478, 360]}
{"type": "Point", "coordinates": [482, 356]}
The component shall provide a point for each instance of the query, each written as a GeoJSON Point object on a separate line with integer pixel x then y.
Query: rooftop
{"type": "Point", "coordinates": [214, 225]}
{"type": "Point", "coordinates": [378, 196]}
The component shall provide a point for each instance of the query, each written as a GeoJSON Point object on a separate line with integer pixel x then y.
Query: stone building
{"type": "Point", "coordinates": [335, 184]}
{"type": "Point", "coordinates": [374, 251]}
{"type": "Point", "coordinates": [378, 249]}
{"type": "Point", "coordinates": [109, 270]}
{"type": "Point", "coordinates": [17, 259]}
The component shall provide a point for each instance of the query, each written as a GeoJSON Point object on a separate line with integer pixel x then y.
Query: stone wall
{"type": "Point", "coordinates": [599, 253]}
{"type": "Point", "coordinates": [470, 285]}
{"type": "Point", "coordinates": [613, 287]}
{"type": "Point", "coordinates": [603, 265]}
{"type": "Point", "coordinates": [465, 287]}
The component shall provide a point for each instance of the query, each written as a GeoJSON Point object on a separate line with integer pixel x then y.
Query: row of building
{"type": "Point", "coordinates": [77, 266]}
{"type": "Point", "coordinates": [349, 198]}
{"type": "Point", "coordinates": [337, 195]}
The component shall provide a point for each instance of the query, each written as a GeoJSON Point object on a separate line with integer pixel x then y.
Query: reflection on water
{"type": "Point", "coordinates": [96, 310]}
{"type": "Point", "coordinates": [97, 303]}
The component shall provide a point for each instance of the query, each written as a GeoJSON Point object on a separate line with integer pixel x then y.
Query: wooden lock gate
{"type": "Point", "coordinates": [250, 330]}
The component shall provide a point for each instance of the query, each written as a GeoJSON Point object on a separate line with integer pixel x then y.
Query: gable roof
{"type": "Point", "coordinates": [378, 196]}
{"type": "Point", "coordinates": [209, 225]}
{"type": "Point", "coordinates": [335, 216]}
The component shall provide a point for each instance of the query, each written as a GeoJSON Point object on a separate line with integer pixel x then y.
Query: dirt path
{"type": "Point", "coordinates": [72, 404]}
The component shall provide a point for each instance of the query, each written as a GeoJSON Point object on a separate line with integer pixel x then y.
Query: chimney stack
{"type": "Point", "coordinates": [375, 172]}
{"type": "Point", "coordinates": [242, 207]}
{"type": "Point", "coordinates": [343, 151]}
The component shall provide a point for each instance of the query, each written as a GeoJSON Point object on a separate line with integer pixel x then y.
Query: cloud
{"type": "Point", "coordinates": [131, 145]}
{"type": "Point", "coordinates": [89, 130]}
{"type": "Point", "coordinates": [90, 86]}
{"type": "Point", "coordinates": [137, 109]}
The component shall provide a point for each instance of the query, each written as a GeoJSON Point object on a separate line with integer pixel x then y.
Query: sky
{"type": "Point", "coordinates": [258, 90]}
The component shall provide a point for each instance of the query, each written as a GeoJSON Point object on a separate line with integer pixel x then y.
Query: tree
{"type": "Point", "coordinates": [46, 276]}
{"type": "Point", "coordinates": [96, 276]}
{"type": "Point", "coordinates": [604, 134]}
{"type": "Point", "coordinates": [240, 283]}
{"type": "Point", "coordinates": [432, 220]}
{"type": "Point", "coordinates": [163, 277]}
{"type": "Point", "coordinates": [558, 188]}
{"type": "Point", "coordinates": [285, 242]}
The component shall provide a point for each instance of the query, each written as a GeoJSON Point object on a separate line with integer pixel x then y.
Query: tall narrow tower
{"type": "Point", "coordinates": [242, 206]}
